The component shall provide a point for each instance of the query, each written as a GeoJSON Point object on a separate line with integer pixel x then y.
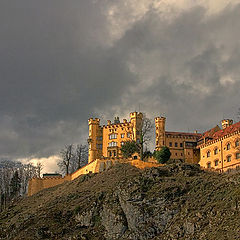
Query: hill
{"type": "Point", "coordinates": [177, 201]}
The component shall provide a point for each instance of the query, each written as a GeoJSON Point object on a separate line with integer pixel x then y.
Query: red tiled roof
{"type": "Point", "coordinates": [210, 133]}
{"type": "Point", "coordinates": [231, 129]}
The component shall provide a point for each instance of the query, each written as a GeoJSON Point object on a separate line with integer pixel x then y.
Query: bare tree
{"type": "Point", "coordinates": [81, 155]}
{"type": "Point", "coordinates": [145, 134]}
{"type": "Point", "coordinates": [39, 169]}
{"type": "Point", "coordinates": [67, 155]}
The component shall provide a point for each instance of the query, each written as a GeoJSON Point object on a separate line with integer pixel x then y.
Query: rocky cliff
{"type": "Point", "coordinates": [177, 201]}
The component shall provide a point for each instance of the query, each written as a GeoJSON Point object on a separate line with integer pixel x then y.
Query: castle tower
{"type": "Point", "coordinates": [136, 119]}
{"type": "Point", "coordinates": [94, 140]}
{"type": "Point", "coordinates": [226, 123]}
{"type": "Point", "coordinates": [160, 132]}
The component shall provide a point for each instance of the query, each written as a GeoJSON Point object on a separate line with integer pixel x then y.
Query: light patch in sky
{"type": "Point", "coordinates": [49, 163]}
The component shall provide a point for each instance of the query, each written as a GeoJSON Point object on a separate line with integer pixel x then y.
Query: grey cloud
{"type": "Point", "coordinates": [57, 68]}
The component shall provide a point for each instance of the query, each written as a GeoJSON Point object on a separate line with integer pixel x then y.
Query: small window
{"type": "Point", "coordinates": [181, 154]}
{"type": "Point", "coordinates": [237, 143]}
{"type": "Point", "coordinates": [170, 144]}
{"type": "Point", "coordinates": [138, 141]}
{"type": "Point", "coordinates": [228, 146]}
{"type": "Point", "coordinates": [176, 144]}
{"type": "Point", "coordinates": [122, 143]}
{"type": "Point", "coordinates": [128, 135]}
{"type": "Point", "coordinates": [122, 135]}
{"type": "Point", "coordinates": [176, 154]}
{"type": "Point", "coordinates": [229, 159]}
{"type": "Point", "coordinates": [237, 155]}
{"type": "Point", "coordinates": [215, 151]}
{"type": "Point", "coordinates": [181, 144]}
{"type": "Point", "coordinates": [208, 154]}
{"type": "Point", "coordinates": [216, 162]}
{"type": "Point", "coordinates": [208, 165]}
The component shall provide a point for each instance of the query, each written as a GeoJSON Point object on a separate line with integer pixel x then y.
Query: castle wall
{"type": "Point", "coordinates": [97, 166]}
{"type": "Point", "coordinates": [223, 159]}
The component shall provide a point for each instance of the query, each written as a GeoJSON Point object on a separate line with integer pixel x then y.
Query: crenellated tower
{"type": "Point", "coordinates": [136, 119]}
{"type": "Point", "coordinates": [160, 132]}
{"type": "Point", "coordinates": [94, 140]}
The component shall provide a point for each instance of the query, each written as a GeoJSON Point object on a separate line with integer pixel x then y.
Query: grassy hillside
{"type": "Point", "coordinates": [178, 201]}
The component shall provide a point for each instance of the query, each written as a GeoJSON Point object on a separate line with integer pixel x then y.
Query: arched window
{"type": "Point", "coordinates": [208, 154]}
{"type": "Point", "coordinates": [228, 146]}
{"type": "Point", "coordinates": [237, 143]}
{"type": "Point", "coordinates": [237, 155]}
{"type": "Point", "coordinates": [229, 158]}
{"type": "Point", "coordinates": [215, 151]}
{"type": "Point", "coordinates": [209, 165]}
{"type": "Point", "coordinates": [216, 162]}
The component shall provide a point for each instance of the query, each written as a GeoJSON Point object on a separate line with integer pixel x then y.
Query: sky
{"type": "Point", "coordinates": [64, 61]}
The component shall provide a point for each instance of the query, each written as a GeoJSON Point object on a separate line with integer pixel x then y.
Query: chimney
{"type": "Point", "coordinates": [226, 123]}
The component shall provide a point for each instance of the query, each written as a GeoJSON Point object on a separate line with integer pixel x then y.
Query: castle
{"type": "Point", "coordinates": [217, 149]}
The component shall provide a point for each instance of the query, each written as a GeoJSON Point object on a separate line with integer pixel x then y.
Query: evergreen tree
{"type": "Point", "coordinates": [15, 185]}
{"type": "Point", "coordinates": [163, 155]}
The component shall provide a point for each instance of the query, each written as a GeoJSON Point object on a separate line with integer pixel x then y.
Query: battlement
{"type": "Point", "coordinates": [136, 115]}
{"type": "Point", "coordinates": [160, 119]}
{"type": "Point", "coordinates": [94, 121]}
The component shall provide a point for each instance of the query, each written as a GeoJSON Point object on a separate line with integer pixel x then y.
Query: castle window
{"type": "Point", "coordinates": [110, 153]}
{"type": "Point", "coordinates": [228, 146]}
{"type": "Point", "coordinates": [113, 136]}
{"type": "Point", "coordinates": [208, 165]}
{"type": "Point", "coordinates": [216, 162]}
{"type": "Point", "coordinates": [237, 155]}
{"type": "Point", "coordinates": [176, 144]}
{"type": "Point", "coordinates": [237, 143]}
{"type": "Point", "coordinates": [215, 151]}
{"type": "Point", "coordinates": [122, 135]}
{"type": "Point", "coordinates": [176, 154]}
{"type": "Point", "coordinates": [138, 141]}
{"type": "Point", "coordinates": [181, 144]}
{"type": "Point", "coordinates": [170, 144]}
{"type": "Point", "coordinates": [229, 158]}
{"type": "Point", "coordinates": [128, 135]}
{"type": "Point", "coordinates": [208, 154]}
{"type": "Point", "coordinates": [112, 144]}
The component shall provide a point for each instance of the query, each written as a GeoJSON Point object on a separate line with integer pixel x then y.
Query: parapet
{"type": "Point", "coordinates": [160, 119]}
{"type": "Point", "coordinates": [136, 115]}
{"type": "Point", "coordinates": [93, 121]}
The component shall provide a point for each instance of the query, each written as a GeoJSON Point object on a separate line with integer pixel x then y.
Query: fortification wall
{"type": "Point", "coordinates": [97, 166]}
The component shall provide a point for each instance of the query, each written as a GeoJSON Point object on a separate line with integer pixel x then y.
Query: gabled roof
{"type": "Point", "coordinates": [231, 129]}
{"type": "Point", "coordinates": [211, 132]}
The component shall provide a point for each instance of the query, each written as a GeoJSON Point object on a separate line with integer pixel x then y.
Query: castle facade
{"type": "Point", "coordinates": [220, 147]}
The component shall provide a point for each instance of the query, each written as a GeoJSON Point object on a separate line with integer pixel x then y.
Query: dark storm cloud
{"type": "Point", "coordinates": [59, 66]}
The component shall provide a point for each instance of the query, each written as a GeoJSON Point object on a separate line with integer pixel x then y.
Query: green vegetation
{"type": "Point", "coordinates": [129, 148]}
{"type": "Point", "coordinates": [163, 155]}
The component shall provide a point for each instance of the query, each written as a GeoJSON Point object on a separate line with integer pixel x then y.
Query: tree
{"type": "Point", "coordinates": [80, 158]}
{"type": "Point", "coordinates": [67, 155]}
{"type": "Point", "coordinates": [15, 185]}
{"type": "Point", "coordinates": [163, 155]}
{"type": "Point", "coordinates": [128, 148]}
{"type": "Point", "coordinates": [145, 134]}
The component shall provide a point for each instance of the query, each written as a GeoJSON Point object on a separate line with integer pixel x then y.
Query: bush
{"type": "Point", "coordinates": [129, 148]}
{"type": "Point", "coordinates": [163, 155]}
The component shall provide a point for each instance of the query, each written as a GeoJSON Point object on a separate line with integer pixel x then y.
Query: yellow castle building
{"type": "Point", "coordinates": [182, 145]}
{"type": "Point", "coordinates": [217, 149]}
{"type": "Point", "coordinates": [220, 148]}
{"type": "Point", "coordinates": [106, 141]}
